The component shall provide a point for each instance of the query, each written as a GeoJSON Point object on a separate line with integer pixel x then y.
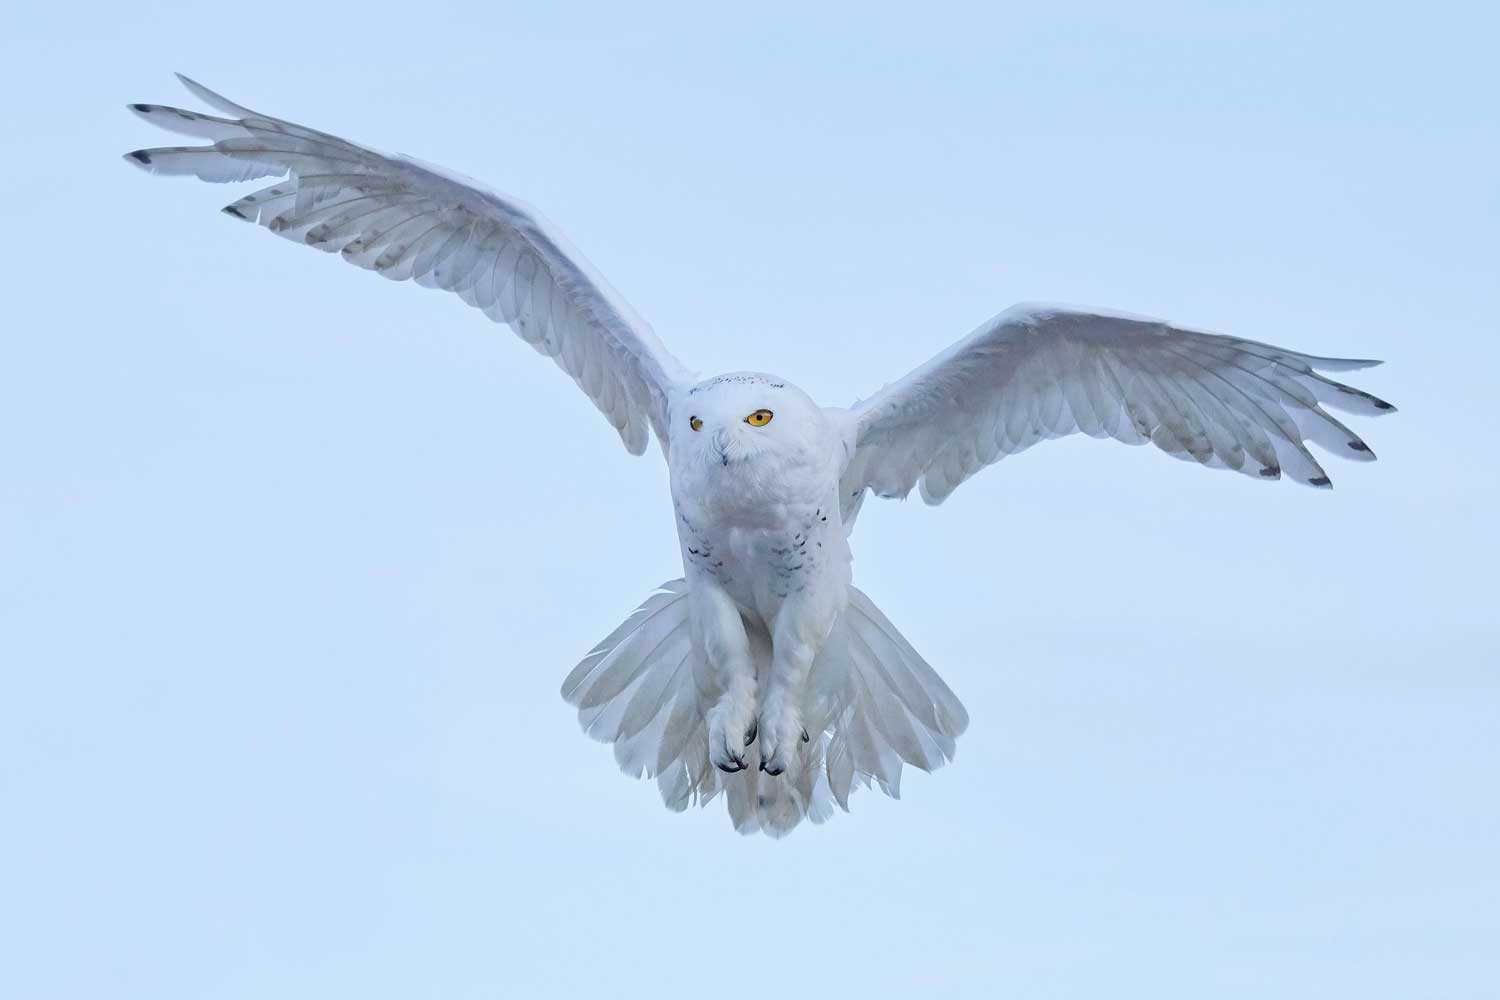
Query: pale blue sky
{"type": "Point", "coordinates": [295, 559]}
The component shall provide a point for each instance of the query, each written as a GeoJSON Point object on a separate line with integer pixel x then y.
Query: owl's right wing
{"type": "Point", "coordinates": [1036, 372]}
{"type": "Point", "coordinates": [405, 219]}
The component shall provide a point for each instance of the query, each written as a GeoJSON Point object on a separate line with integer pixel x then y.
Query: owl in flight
{"type": "Point", "coordinates": [763, 674]}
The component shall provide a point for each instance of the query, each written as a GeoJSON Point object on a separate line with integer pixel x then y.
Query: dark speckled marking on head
{"type": "Point", "coordinates": [736, 380]}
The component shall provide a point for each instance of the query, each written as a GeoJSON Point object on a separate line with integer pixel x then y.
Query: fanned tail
{"type": "Point", "coordinates": [872, 700]}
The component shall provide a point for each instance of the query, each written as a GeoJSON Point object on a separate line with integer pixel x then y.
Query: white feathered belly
{"type": "Point", "coordinates": [797, 554]}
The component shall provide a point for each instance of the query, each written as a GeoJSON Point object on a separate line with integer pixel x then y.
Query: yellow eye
{"type": "Point", "coordinates": [695, 423]}
{"type": "Point", "coordinates": [759, 418]}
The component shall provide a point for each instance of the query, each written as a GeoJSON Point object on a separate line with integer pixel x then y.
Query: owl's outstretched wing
{"type": "Point", "coordinates": [405, 220]}
{"type": "Point", "coordinates": [1037, 371]}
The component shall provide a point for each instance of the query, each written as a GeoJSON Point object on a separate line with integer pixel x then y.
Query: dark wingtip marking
{"type": "Point", "coordinates": [140, 156]}
{"type": "Point", "coordinates": [1320, 481]}
{"type": "Point", "coordinates": [144, 109]}
{"type": "Point", "coordinates": [231, 210]}
{"type": "Point", "coordinates": [1271, 472]}
{"type": "Point", "coordinates": [1359, 446]}
{"type": "Point", "coordinates": [1381, 404]}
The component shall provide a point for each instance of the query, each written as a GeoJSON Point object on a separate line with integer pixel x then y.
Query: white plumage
{"type": "Point", "coordinates": [763, 674]}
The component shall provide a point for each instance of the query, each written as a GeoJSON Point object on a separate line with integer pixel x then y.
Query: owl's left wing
{"type": "Point", "coordinates": [1036, 372]}
{"type": "Point", "coordinates": [404, 219]}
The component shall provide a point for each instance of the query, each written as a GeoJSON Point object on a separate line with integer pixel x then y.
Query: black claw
{"type": "Point", "coordinates": [772, 773]}
{"type": "Point", "coordinates": [731, 770]}
{"type": "Point", "coordinates": [805, 737]}
{"type": "Point", "coordinates": [754, 731]}
{"type": "Point", "coordinates": [762, 765]}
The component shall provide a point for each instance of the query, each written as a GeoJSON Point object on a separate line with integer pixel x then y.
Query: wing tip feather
{"type": "Point", "coordinates": [1343, 364]}
{"type": "Point", "coordinates": [211, 98]}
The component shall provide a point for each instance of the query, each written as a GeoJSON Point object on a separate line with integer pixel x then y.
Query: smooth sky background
{"type": "Point", "coordinates": [293, 560]}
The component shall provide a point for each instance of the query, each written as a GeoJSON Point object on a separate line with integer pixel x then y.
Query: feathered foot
{"type": "Point", "coordinates": [782, 733]}
{"type": "Point", "coordinates": [731, 728]}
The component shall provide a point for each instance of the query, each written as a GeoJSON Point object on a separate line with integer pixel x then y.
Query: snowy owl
{"type": "Point", "coordinates": [763, 674]}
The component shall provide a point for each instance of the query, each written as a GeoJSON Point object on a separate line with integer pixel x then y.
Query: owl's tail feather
{"type": "Point", "coordinates": [873, 702]}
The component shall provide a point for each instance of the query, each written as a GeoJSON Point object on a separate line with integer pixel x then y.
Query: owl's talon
{"type": "Point", "coordinates": [728, 723]}
{"type": "Point", "coordinates": [750, 736]}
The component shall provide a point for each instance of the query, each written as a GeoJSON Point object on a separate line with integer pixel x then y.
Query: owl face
{"type": "Point", "coordinates": [739, 417]}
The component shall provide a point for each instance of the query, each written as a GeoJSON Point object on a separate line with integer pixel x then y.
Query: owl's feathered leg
{"type": "Point", "coordinates": [802, 626]}
{"type": "Point", "coordinates": [720, 633]}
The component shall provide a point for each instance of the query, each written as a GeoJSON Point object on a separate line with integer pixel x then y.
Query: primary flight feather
{"type": "Point", "coordinates": [763, 674]}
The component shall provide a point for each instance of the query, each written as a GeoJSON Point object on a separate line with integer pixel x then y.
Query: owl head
{"type": "Point", "coordinates": [741, 416]}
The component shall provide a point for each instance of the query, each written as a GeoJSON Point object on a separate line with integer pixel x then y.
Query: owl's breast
{"type": "Point", "coordinates": [763, 538]}
{"type": "Point", "coordinates": [758, 493]}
